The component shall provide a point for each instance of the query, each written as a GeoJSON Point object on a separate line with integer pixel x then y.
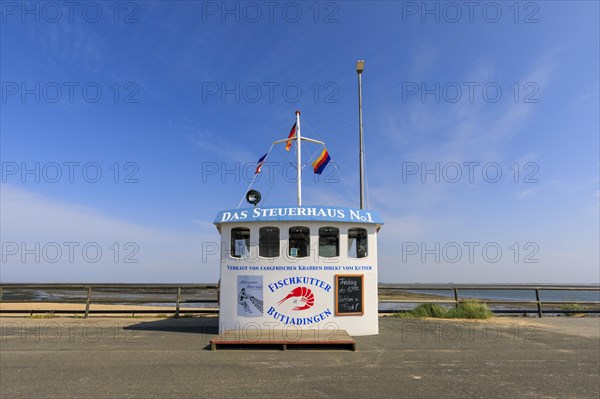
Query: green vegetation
{"type": "Point", "coordinates": [425, 310]}
{"type": "Point", "coordinates": [469, 309]}
{"type": "Point", "coordinates": [573, 306]}
{"type": "Point", "coordinates": [48, 315]}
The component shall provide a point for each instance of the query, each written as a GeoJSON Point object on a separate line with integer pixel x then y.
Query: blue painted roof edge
{"type": "Point", "coordinates": [313, 213]}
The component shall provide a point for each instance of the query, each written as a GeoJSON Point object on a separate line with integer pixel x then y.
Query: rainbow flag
{"type": "Point", "coordinates": [261, 161]}
{"type": "Point", "coordinates": [288, 145]}
{"type": "Point", "coordinates": [321, 162]}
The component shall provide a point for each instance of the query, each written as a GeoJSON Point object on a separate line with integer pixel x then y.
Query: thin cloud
{"type": "Point", "coordinates": [32, 219]}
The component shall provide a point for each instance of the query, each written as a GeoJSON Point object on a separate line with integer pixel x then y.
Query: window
{"type": "Point", "coordinates": [299, 242]}
{"type": "Point", "coordinates": [357, 243]}
{"type": "Point", "coordinates": [240, 242]}
{"type": "Point", "coordinates": [268, 242]}
{"type": "Point", "coordinates": [329, 242]}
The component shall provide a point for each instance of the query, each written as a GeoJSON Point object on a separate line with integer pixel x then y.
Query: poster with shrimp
{"type": "Point", "coordinates": [250, 296]}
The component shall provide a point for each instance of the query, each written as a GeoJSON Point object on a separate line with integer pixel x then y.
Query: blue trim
{"type": "Point", "coordinates": [299, 213]}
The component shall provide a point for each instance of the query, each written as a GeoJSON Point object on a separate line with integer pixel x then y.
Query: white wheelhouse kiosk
{"type": "Point", "coordinates": [299, 267]}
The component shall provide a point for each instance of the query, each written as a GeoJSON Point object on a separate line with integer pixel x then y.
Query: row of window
{"type": "Point", "coordinates": [299, 242]}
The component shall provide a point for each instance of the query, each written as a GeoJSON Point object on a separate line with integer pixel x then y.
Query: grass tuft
{"type": "Point", "coordinates": [469, 309]}
{"type": "Point", "coordinates": [430, 310]}
{"type": "Point", "coordinates": [573, 306]}
{"type": "Point", "coordinates": [425, 310]}
{"type": "Point", "coordinates": [49, 315]}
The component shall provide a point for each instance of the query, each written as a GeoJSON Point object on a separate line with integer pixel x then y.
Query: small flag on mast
{"type": "Point", "coordinates": [288, 145]}
{"type": "Point", "coordinates": [261, 161]}
{"type": "Point", "coordinates": [321, 162]}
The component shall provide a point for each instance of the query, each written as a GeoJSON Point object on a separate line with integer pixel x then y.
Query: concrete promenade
{"type": "Point", "coordinates": [555, 357]}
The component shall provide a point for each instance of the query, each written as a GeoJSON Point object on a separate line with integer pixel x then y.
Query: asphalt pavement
{"type": "Point", "coordinates": [554, 357]}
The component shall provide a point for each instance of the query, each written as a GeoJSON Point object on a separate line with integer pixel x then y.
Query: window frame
{"type": "Point", "coordinates": [337, 241]}
{"type": "Point", "coordinates": [260, 242]}
{"type": "Point", "coordinates": [232, 242]}
{"type": "Point", "coordinates": [356, 230]}
{"type": "Point", "coordinates": [307, 240]}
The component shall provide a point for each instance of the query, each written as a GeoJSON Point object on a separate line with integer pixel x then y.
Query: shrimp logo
{"type": "Point", "coordinates": [303, 295]}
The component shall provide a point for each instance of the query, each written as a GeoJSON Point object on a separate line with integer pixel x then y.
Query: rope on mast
{"type": "Point", "coordinates": [254, 178]}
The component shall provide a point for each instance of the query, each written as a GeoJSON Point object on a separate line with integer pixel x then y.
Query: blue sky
{"type": "Point", "coordinates": [172, 100]}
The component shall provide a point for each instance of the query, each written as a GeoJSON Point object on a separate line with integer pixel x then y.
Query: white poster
{"type": "Point", "coordinates": [250, 296]}
{"type": "Point", "coordinates": [240, 248]}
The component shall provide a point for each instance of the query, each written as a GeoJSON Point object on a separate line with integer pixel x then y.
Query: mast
{"type": "Point", "coordinates": [298, 159]}
{"type": "Point", "coordinates": [298, 138]}
{"type": "Point", "coordinates": [360, 65]}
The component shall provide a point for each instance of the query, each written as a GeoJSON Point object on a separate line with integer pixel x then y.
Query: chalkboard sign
{"type": "Point", "coordinates": [349, 294]}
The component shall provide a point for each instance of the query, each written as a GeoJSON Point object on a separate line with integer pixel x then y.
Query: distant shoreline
{"type": "Point", "coordinates": [42, 300]}
{"type": "Point", "coordinates": [49, 307]}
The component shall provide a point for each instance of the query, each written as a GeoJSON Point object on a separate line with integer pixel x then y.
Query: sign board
{"type": "Point", "coordinates": [298, 213]}
{"type": "Point", "coordinates": [349, 294]}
